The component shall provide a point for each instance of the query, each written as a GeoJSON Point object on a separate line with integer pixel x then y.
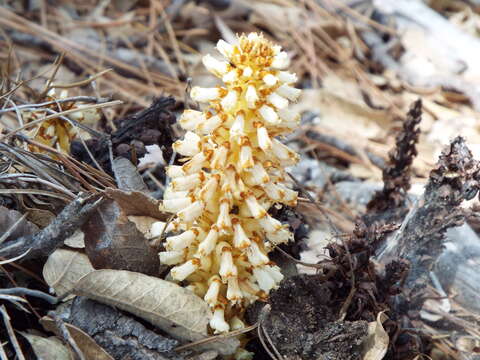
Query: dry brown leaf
{"type": "Point", "coordinates": [50, 348]}
{"type": "Point", "coordinates": [170, 307]}
{"type": "Point", "coordinates": [64, 268]}
{"type": "Point", "coordinates": [40, 217]}
{"type": "Point", "coordinates": [127, 176]}
{"type": "Point", "coordinates": [137, 203]}
{"type": "Point", "coordinates": [376, 344]}
{"type": "Point", "coordinates": [114, 242]}
{"type": "Point", "coordinates": [86, 344]}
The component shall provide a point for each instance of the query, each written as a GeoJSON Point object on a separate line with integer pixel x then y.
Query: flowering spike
{"type": "Point", "coordinates": [232, 173]}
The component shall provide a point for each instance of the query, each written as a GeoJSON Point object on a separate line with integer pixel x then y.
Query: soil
{"type": "Point", "coordinates": [303, 324]}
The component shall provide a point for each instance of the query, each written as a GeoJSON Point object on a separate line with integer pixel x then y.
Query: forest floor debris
{"type": "Point", "coordinates": [395, 275]}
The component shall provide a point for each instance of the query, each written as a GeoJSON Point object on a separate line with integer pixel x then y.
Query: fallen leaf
{"type": "Point", "coordinates": [86, 344]}
{"type": "Point", "coordinates": [114, 242]}
{"type": "Point", "coordinates": [341, 116]}
{"type": "Point", "coordinates": [143, 224]}
{"type": "Point", "coordinates": [137, 203]}
{"type": "Point", "coordinates": [50, 348]}
{"type": "Point", "coordinates": [64, 268]}
{"type": "Point", "coordinates": [40, 217]}
{"type": "Point", "coordinates": [127, 176]}
{"type": "Point", "coordinates": [170, 307]}
{"type": "Point", "coordinates": [376, 344]}
{"type": "Point", "coordinates": [76, 241]}
{"type": "Point", "coordinates": [9, 217]}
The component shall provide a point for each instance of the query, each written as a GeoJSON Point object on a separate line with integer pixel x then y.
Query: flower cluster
{"type": "Point", "coordinates": [232, 173]}
{"type": "Point", "coordinates": [58, 133]}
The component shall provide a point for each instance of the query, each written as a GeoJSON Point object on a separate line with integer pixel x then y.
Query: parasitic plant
{"type": "Point", "coordinates": [232, 174]}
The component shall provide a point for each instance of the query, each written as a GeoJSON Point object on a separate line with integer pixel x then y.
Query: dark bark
{"type": "Point", "coordinates": [46, 241]}
{"type": "Point", "coordinates": [120, 335]}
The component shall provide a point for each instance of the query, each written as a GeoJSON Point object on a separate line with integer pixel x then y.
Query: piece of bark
{"type": "Point", "coordinates": [120, 335]}
{"type": "Point", "coordinates": [44, 242]}
{"type": "Point", "coordinates": [420, 239]}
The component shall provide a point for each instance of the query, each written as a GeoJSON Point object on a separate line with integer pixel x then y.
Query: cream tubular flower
{"type": "Point", "coordinates": [229, 175]}
{"type": "Point", "coordinates": [220, 156]}
{"type": "Point", "coordinates": [224, 221]}
{"type": "Point", "coordinates": [208, 244]}
{"type": "Point", "coordinates": [194, 165]}
{"type": "Point", "coordinates": [281, 60]}
{"type": "Point", "coordinates": [183, 271]}
{"type": "Point", "coordinates": [171, 194]}
{"type": "Point", "coordinates": [240, 239]}
{"type": "Point", "coordinates": [270, 79]}
{"type": "Point", "coordinates": [191, 119]}
{"type": "Point", "coordinates": [258, 175]}
{"type": "Point", "coordinates": [218, 323]}
{"type": "Point", "coordinates": [189, 146]}
{"type": "Point", "coordinates": [255, 208]}
{"type": "Point", "coordinates": [268, 114]}
{"type": "Point", "coordinates": [174, 171]}
{"type": "Point", "coordinates": [230, 100]}
{"type": "Point", "coordinates": [176, 205]}
{"type": "Point", "coordinates": [227, 268]}
{"type": "Point", "coordinates": [286, 155]}
{"type": "Point", "coordinates": [157, 228]}
{"type": "Point", "coordinates": [286, 77]}
{"type": "Point", "coordinates": [278, 101]}
{"type": "Point", "coordinates": [234, 294]}
{"type": "Point", "coordinates": [204, 94]}
{"type": "Point", "coordinates": [191, 212]}
{"type": "Point", "coordinates": [289, 92]}
{"type": "Point", "coordinates": [246, 159]}
{"type": "Point", "coordinates": [211, 297]}
{"type": "Point", "coordinates": [180, 242]}
{"type": "Point", "coordinates": [270, 225]}
{"type": "Point", "coordinates": [236, 323]}
{"type": "Point", "coordinates": [251, 97]}
{"type": "Point", "coordinates": [171, 257]}
{"type": "Point", "coordinates": [225, 48]}
{"type": "Point", "coordinates": [210, 124]}
{"type": "Point", "coordinates": [255, 256]}
{"type": "Point", "coordinates": [264, 140]}
{"type": "Point", "coordinates": [216, 67]}
{"type": "Point", "coordinates": [238, 127]}
{"type": "Point", "coordinates": [187, 182]}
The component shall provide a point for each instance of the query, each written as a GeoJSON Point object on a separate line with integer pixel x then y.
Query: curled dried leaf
{"type": "Point", "coordinates": [376, 344]}
{"type": "Point", "coordinates": [174, 309]}
{"type": "Point", "coordinates": [85, 343]}
{"type": "Point", "coordinates": [48, 348]}
{"type": "Point", "coordinates": [64, 268]}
